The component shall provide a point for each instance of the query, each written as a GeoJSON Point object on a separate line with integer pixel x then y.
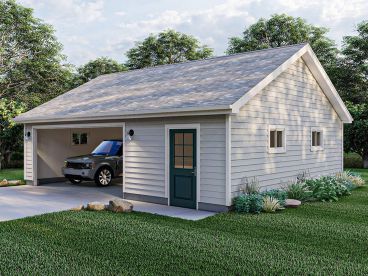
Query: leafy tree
{"type": "Point", "coordinates": [30, 57]}
{"type": "Point", "coordinates": [95, 68]}
{"type": "Point", "coordinates": [355, 134]}
{"type": "Point", "coordinates": [352, 74]}
{"type": "Point", "coordinates": [282, 30]}
{"type": "Point", "coordinates": [9, 131]}
{"type": "Point", "coordinates": [166, 48]}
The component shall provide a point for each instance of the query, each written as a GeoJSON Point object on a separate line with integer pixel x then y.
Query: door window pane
{"type": "Point", "coordinates": [188, 162]}
{"type": "Point", "coordinates": [188, 151]}
{"type": "Point", "coordinates": [178, 138]}
{"type": "Point", "coordinates": [178, 162]}
{"type": "Point", "coordinates": [178, 150]}
{"type": "Point", "coordinates": [188, 138]}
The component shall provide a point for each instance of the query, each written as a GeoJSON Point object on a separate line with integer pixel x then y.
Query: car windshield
{"type": "Point", "coordinates": [108, 148]}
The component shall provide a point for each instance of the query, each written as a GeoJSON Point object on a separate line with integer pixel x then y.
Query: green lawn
{"type": "Point", "coordinates": [317, 238]}
{"type": "Point", "coordinates": [11, 174]}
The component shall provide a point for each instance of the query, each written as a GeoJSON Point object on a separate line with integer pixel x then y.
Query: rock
{"type": "Point", "coordinates": [15, 182]}
{"type": "Point", "coordinates": [292, 203]}
{"type": "Point", "coordinates": [120, 205]}
{"type": "Point", "coordinates": [4, 182]}
{"type": "Point", "coordinates": [95, 206]}
{"type": "Point", "coordinates": [78, 208]}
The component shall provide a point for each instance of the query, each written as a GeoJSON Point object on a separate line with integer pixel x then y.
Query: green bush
{"type": "Point", "coordinates": [278, 194]}
{"type": "Point", "coordinates": [298, 190]}
{"type": "Point", "coordinates": [353, 160]}
{"type": "Point", "coordinates": [326, 188]}
{"type": "Point", "coordinates": [252, 203]}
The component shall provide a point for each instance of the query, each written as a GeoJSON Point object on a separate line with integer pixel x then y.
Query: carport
{"type": "Point", "coordinates": [50, 145]}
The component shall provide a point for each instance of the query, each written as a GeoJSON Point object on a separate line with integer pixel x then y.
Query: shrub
{"type": "Point", "coordinates": [248, 203]}
{"type": "Point", "coordinates": [250, 185]}
{"type": "Point", "coordinates": [355, 179]}
{"type": "Point", "coordinates": [298, 190]}
{"type": "Point", "coordinates": [353, 160]}
{"type": "Point", "coordinates": [326, 188]}
{"type": "Point", "coordinates": [277, 194]}
{"type": "Point", "coordinates": [271, 204]}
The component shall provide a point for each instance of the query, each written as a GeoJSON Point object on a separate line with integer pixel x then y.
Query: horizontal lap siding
{"type": "Point", "coordinates": [295, 101]}
{"type": "Point", "coordinates": [145, 157]}
{"type": "Point", "coordinates": [28, 161]}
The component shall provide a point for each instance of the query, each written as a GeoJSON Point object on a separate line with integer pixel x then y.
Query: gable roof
{"type": "Point", "coordinates": [216, 85]}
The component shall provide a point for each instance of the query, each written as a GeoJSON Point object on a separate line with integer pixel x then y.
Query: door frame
{"type": "Point", "coordinates": [168, 127]}
{"type": "Point", "coordinates": [35, 129]}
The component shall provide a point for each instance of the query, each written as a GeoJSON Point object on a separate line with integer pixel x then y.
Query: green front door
{"type": "Point", "coordinates": [183, 162]}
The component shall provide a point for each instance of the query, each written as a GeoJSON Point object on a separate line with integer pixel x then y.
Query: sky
{"type": "Point", "coordinates": [93, 28]}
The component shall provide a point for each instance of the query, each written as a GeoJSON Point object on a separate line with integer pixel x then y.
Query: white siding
{"type": "Point", "coordinates": [145, 157]}
{"type": "Point", "coordinates": [28, 156]}
{"type": "Point", "coordinates": [294, 100]}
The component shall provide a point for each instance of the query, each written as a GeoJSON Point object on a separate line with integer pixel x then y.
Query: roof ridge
{"type": "Point", "coordinates": [200, 60]}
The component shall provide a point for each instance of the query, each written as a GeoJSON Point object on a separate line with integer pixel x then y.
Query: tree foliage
{"type": "Point", "coordinates": [166, 48]}
{"type": "Point", "coordinates": [30, 57]}
{"type": "Point", "coordinates": [352, 71]}
{"type": "Point", "coordinates": [281, 30]}
{"type": "Point", "coordinates": [95, 68]}
{"type": "Point", "coordinates": [356, 138]}
{"type": "Point", "coordinates": [9, 130]}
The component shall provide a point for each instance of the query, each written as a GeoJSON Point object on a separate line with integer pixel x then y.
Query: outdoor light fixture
{"type": "Point", "coordinates": [28, 135]}
{"type": "Point", "coordinates": [130, 135]}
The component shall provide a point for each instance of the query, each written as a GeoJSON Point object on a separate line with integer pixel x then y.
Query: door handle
{"type": "Point", "coordinates": [194, 172]}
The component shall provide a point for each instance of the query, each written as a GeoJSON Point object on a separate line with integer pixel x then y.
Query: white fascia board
{"type": "Point", "coordinates": [326, 85]}
{"type": "Point", "coordinates": [196, 111]}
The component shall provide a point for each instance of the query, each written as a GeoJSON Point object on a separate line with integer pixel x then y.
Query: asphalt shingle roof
{"type": "Point", "coordinates": [219, 81]}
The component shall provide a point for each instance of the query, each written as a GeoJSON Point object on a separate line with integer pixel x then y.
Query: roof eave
{"type": "Point", "coordinates": [175, 112]}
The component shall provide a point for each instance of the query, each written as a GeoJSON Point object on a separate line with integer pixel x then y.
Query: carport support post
{"type": "Point", "coordinates": [34, 156]}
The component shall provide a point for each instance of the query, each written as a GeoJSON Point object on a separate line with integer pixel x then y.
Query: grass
{"type": "Point", "coordinates": [317, 238]}
{"type": "Point", "coordinates": [11, 174]}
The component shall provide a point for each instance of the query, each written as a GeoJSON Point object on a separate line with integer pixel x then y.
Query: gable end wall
{"type": "Point", "coordinates": [294, 100]}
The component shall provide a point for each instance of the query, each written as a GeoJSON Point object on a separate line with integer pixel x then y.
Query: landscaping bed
{"type": "Point", "coordinates": [317, 238]}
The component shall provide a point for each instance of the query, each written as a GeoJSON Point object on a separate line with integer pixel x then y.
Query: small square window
{"type": "Point", "coordinates": [316, 139]}
{"type": "Point", "coordinates": [277, 139]}
{"type": "Point", "coordinates": [79, 138]}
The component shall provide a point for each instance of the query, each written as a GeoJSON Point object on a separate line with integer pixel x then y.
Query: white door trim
{"type": "Point", "coordinates": [65, 126]}
{"type": "Point", "coordinates": [167, 157]}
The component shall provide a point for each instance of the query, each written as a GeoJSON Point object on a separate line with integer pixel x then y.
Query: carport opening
{"type": "Point", "coordinates": [55, 147]}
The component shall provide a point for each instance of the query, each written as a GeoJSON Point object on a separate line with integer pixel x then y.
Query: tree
{"type": "Point", "coordinates": [95, 68]}
{"type": "Point", "coordinates": [9, 131]}
{"type": "Point", "coordinates": [166, 48]}
{"type": "Point", "coordinates": [282, 30]}
{"type": "Point", "coordinates": [30, 57]}
{"type": "Point", "coordinates": [352, 73]}
{"type": "Point", "coordinates": [355, 134]}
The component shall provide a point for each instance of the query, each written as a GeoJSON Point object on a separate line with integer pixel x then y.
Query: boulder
{"type": "Point", "coordinates": [120, 206]}
{"type": "Point", "coordinates": [95, 206]}
{"type": "Point", "coordinates": [78, 208]}
{"type": "Point", "coordinates": [292, 203]}
{"type": "Point", "coordinates": [15, 182]}
{"type": "Point", "coordinates": [4, 182]}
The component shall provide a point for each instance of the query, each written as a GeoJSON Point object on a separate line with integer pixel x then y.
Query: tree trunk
{"type": "Point", "coordinates": [365, 161]}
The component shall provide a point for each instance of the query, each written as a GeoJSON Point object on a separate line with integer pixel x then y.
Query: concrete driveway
{"type": "Point", "coordinates": [23, 201]}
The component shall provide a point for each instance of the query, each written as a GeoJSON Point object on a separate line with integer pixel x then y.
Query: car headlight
{"type": "Point", "coordinates": [65, 164]}
{"type": "Point", "coordinates": [87, 166]}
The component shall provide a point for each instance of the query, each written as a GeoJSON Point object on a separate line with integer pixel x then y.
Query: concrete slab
{"type": "Point", "coordinates": [24, 201]}
{"type": "Point", "coordinates": [171, 211]}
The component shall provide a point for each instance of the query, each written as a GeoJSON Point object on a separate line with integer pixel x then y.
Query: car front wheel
{"type": "Point", "coordinates": [103, 177]}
